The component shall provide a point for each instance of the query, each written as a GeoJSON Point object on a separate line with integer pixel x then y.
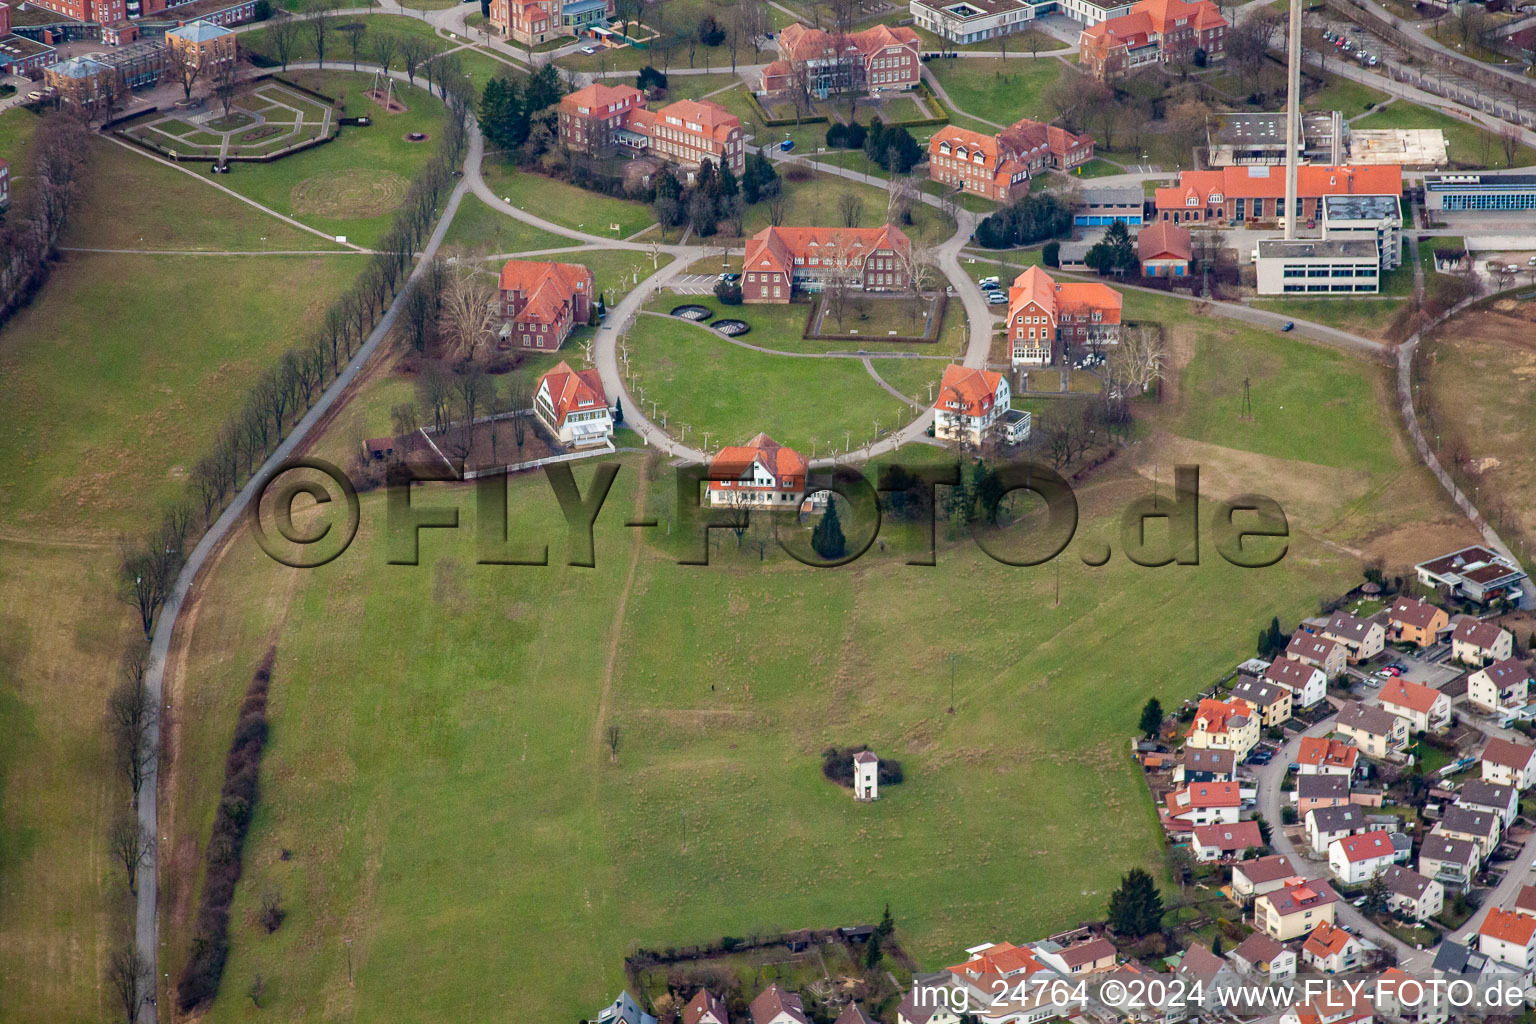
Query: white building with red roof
{"type": "Point", "coordinates": [783, 260]}
{"type": "Point", "coordinates": [543, 303]}
{"type": "Point", "coordinates": [1331, 950]}
{"type": "Point", "coordinates": [976, 406]}
{"type": "Point", "coordinates": [1322, 755]}
{"type": "Point", "coordinates": [777, 1005]}
{"type": "Point", "coordinates": [873, 62]}
{"type": "Point", "coordinates": [1500, 688]}
{"type": "Point", "coordinates": [761, 474]}
{"type": "Point", "coordinates": [1359, 858]}
{"type": "Point", "coordinates": [572, 405]}
{"type": "Point", "coordinates": [1214, 842]}
{"type": "Point", "coordinates": [1295, 909]}
{"type": "Point", "coordinates": [1509, 763]}
{"type": "Point", "coordinates": [1223, 725]}
{"type": "Point", "coordinates": [1508, 938]}
{"type": "Point", "coordinates": [1426, 708]}
{"type": "Point", "coordinates": [705, 1008]}
{"type": "Point", "coordinates": [1202, 803]}
{"type": "Point", "coordinates": [1043, 313]}
{"type": "Point", "coordinates": [999, 166]}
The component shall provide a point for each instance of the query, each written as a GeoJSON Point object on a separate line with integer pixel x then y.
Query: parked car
{"type": "Point", "coordinates": [589, 49]}
{"type": "Point", "coordinates": [1289, 325]}
{"type": "Point", "coordinates": [996, 299]}
{"type": "Point", "coordinates": [1294, 766]}
{"type": "Point", "coordinates": [1383, 674]}
{"type": "Point", "coordinates": [787, 145]}
{"type": "Point", "coordinates": [1394, 671]}
{"type": "Point", "coordinates": [989, 286]}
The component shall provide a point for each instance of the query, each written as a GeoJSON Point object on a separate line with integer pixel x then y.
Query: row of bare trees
{"type": "Point", "coordinates": [55, 178]}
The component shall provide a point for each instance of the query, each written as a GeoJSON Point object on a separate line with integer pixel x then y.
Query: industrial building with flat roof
{"type": "Point", "coordinates": [1479, 191]}
{"type": "Point", "coordinates": [1260, 139]}
{"type": "Point", "coordinates": [1317, 266]}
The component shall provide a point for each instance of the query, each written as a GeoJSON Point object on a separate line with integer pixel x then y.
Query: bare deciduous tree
{"type": "Point", "coordinates": [129, 843]}
{"type": "Point", "coordinates": [468, 318]}
{"type": "Point", "coordinates": [613, 741]}
{"type": "Point", "coordinates": [127, 977]}
{"type": "Point", "coordinates": [283, 34]}
{"type": "Point", "coordinates": [318, 27]}
{"type": "Point", "coordinates": [385, 46]}
{"type": "Point", "coordinates": [849, 208]}
{"type": "Point", "coordinates": [185, 67]}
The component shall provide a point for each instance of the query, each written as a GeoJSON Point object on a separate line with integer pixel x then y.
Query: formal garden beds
{"type": "Point", "coordinates": [269, 120]}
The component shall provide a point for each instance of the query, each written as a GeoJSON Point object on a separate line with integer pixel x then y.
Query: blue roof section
{"type": "Point", "coordinates": [198, 32]}
{"type": "Point", "coordinates": [80, 67]}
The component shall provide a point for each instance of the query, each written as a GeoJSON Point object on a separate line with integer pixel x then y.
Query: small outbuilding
{"type": "Point", "coordinates": [1164, 249]}
{"type": "Point", "coordinates": [866, 776]}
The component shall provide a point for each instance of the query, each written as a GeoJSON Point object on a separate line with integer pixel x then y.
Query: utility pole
{"type": "Point", "coordinates": [952, 657]}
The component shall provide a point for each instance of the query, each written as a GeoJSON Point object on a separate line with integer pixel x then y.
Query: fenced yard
{"type": "Point", "coordinates": [269, 120]}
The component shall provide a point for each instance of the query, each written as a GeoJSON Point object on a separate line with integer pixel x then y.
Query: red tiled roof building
{"type": "Point", "coordinates": [878, 60]}
{"type": "Point", "coordinates": [1154, 32]}
{"type": "Point", "coordinates": [780, 260]}
{"type": "Point", "coordinates": [542, 302]}
{"type": "Point", "coordinates": [1253, 192]}
{"type": "Point", "coordinates": [999, 166]}
{"type": "Point", "coordinates": [1042, 312]}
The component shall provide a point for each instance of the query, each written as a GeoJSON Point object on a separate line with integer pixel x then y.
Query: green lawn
{"type": "Point", "coordinates": [17, 126]}
{"type": "Point", "coordinates": [911, 376]}
{"type": "Point", "coordinates": [1465, 143]}
{"type": "Point", "coordinates": [566, 204]}
{"type": "Point", "coordinates": [1027, 41]}
{"type": "Point", "coordinates": [1344, 95]}
{"type": "Point", "coordinates": [1358, 316]}
{"type": "Point", "coordinates": [815, 201]}
{"type": "Point", "coordinates": [998, 90]}
{"type": "Point", "coordinates": [678, 20]}
{"type": "Point", "coordinates": [354, 185]}
{"type": "Point", "coordinates": [477, 226]}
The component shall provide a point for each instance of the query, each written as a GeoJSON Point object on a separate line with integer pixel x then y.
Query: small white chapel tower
{"type": "Point", "coordinates": [866, 776]}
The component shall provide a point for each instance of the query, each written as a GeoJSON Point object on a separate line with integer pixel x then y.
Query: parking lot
{"type": "Point", "coordinates": [695, 284]}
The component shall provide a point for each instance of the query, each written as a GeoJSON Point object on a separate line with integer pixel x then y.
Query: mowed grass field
{"type": "Point", "coordinates": [115, 376]}
{"type": "Point", "coordinates": [999, 90]}
{"type": "Point", "coordinates": [459, 782]}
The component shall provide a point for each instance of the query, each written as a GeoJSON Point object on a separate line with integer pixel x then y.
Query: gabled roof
{"type": "Point", "coordinates": [1441, 847]}
{"type": "Point", "coordinates": [1510, 755]}
{"type": "Point", "coordinates": [799, 42]}
{"type": "Point", "coordinates": [1248, 181]}
{"type": "Point", "coordinates": [1508, 926]}
{"type": "Point", "coordinates": [1199, 961]}
{"type": "Point", "coordinates": [1205, 794]}
{"type": "Point", "coordinates": [1234, 838]}
{"type": "Point", "coordinates": [1199, 759]}
{"type": "Point", "coordinates": [1507, 672]}
{"type": "Point", "coordinates": [853, 1013]}
{"type": "Point", "coordinates": [573, 391]}
{"type": "Point", "coordinates": [713, 119]}
{"type": "Point", "coordinates": [973, 391]}
{"type": "Point", "coordinates": [1326, 940]}
{"type": "Point", "coordinates": [1325, 752]}
{"type": "Point", "coordinates": [1349, 627]}
{"type": "Point", "coordinates": [1292, 674]}
{"type": "Point", "coordinates": [733, 461]}
{"type": "Point", "coordinates": [772, 1001]}
{"type": "Point", "coordinates": [1322, 787]}
{"type": "Point", "coordinates": [1300, 896]}
{"type": "Point", "coordinates": [775, 249]}
{"type": "Point", "coordinates": [1365, 718]}
{"type": "Point", "coordinates": [1477, 632]}
{"type": "Point", "coordinates": [1259, 693]}
{"type": "Point", "coordinates": [1305, 645]}
{"type": "Point", "coordinates": [1401, 881]}
{"type": "Point", "coordinates": [547, 288]}
{"type": "Point", "coordinates": [1414, 696]}
{"type": "Point", "coordinates": [598, 99]}
{"type": "Point", "coordinates": [1087, 952]}
{"type": "Point", "coordinates": [1162, 239]}
{"type": "Point", "coordinates": [1266, 869]}
{"type": "Point", "coordinates": [1467, 821]}
{"type": "Point", "coordinates": [1526, 898]}
{"type": "Point", "coordinates": [704, 1002]}
{"type": "Point", "coordinates": [1367, 846]}
{"type": "Point", "coordinates": [1482, 793]}
{"type": "Point", "coordinates": [1258, 948]}
{"type": "Point", "coordinates": [1337, 819]}
{"type": "Point", "coordinates": [1412, 612]}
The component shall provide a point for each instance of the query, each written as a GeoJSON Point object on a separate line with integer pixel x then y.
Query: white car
{"type": "Point", "coordinates": [589, 49]}
{"type": "Point", "coordinates": [996, 299]}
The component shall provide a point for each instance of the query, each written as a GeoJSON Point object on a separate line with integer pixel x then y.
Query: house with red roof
{"type": "Point", "coordinates": [1044, 316]}
{"type": "Point", "coordinates": [1476, 642]}
{"type": "Point", "coordinates": [543, 303]}
{"type": "Point", "coordinates": [775, 1005]}
{"type": "Point", "coordinates": [1322, 755]}
{"type": "Point", "coordinates": [976, 406]}
{"type": "Point", "coordinates": [1508, 938]}
{"type": "Point", "coordinates": [1509, 764]}
{"type": "Point", "coordinates": [1223, 725]}
{"type": "Point", "coordinates": [602, 120]}
{"type": "Point", "coordinates": [1331, 950]}
{"type": "Point", "coordinates": [592, 118]}
{"type": "Point", "coordinates": [1359, 858]}
{"type": "Point", "coordinates": [1500, 688]}
{"type": "Point", "coordinates": [1295, 909]}
{"type": "Point", "coordinates": [1216, 842]}
{"type": "Point", "coordinates": [1202, 803]}
{"type": "Point", "coordinates": [1154, 32]}
{"type": "Point", "coordinates": [1254, 192]}
{"type": "Point", "coordinates": [999, 166]}
{"type": "Point", "coordinates": [705, 1008]}
{"type": "Point", "coordinates": [873, 62]}
{"type": "Point", "coordinates": [573, 406]}
{"type": "Point", "coordinates": [761, 474]}
{"type": "Point", "coordinates": [1164, 249]}
{"type": "Point", "coordinates": [536, 21]}
{"type": "Point", "coordinates": [782, 260]}
{"type": "Point", "coordinates": [1426, 708]}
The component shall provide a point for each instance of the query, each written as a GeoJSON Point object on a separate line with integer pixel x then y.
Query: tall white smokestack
{"type": "Point", "coordinates": [1292, 116]}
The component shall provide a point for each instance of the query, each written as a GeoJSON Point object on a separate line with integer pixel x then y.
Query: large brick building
{"type": "Point", "coordinates": [999, 166]}
{"type": "Point", "coordinates": [1042, 312]}
{"type": "Point", "coordinates": [104, 12]}
{"type": "Point", "coordinates": [1154, 32]}
{"type": "Point", "coordinates": [542, 302]}
{"type": "Point", "coordinates": [1236, 195]}
{"type": "Point", "coordinates": [781, 260]}
{"type": "Point", "coordinates": [875, 61]}
{"type": "Point", "coordinates": [535, 21]}
{"type": "Point", "coordinates": [203, 45]}
{"type": "Point", "coordinates": [602, 120]}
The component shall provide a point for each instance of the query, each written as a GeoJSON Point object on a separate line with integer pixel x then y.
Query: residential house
{"type": "Point", "coordinates": [783, 260]}
{"type": "Point", "coordinates": [1376, 731]}
{"type": "Point", "coordinates": [1091, 957]}
{"type": "Point", "coordinates": [1199, 965]}
{"type": "Point", "coordinates": [573, 406]}
{"type": "Point", "coordinates": [531, 22]}
{"type": "Point", "coordinates": [1314, 792]}
{"type": "Point", "coordinates": [1525, 900]}
{"type": "Point", "coordinates": [1451, 862]}
{"type": "Point", "coordinates": [1483, 828]}
{"type": "Point", "coordinates": [976, 406]}
{"type": "Point", "coordinates": [853, 1013]}
{"type": "Point", "coordinates": [1169, 32]}
{"type": "Point", "coordinates": [1323, 755]}
{"type": "Point", "coordinates": [1481, 795]}
{"type": "Point", "coordinates": [761, 474]}
{"type": "Point", "coordinates": [1509, 764]}
{"type": "Point", "coordinates": [1400, 996]}
{"type": "Point", "coordinates": [873, 62]}
{"type": "Point", "coordinates": [1142, 1003]}
{"type": "Point", "coordinates": [1412, 621]}
{"type": "Point", "coordinates": [1265, 959]}
{"type": "Point", "coordinates": [926, 1005]}
{"type": "Point", "coordinates": [1000, 166]}
{"type": "Point", "coordinates": [1331, 950]}
{"type": "Point", "coordinates": [1411, 894]}
{"type": "Point", "coordinates": [543, 302]}
{"type": "Point", "coordinates": [1508, 938]}
{"type": "Point", "coordinates": [705, 1008]}
{"type": "Point", "coordinates": [1236, 195]}
{"type": "Point", "coordinates": [774, 1005]}
{"type": "Point", "coordinates": [1253, 878]}
{"type": "Point", "coordinates": [1363, 639]}
{"type": "Point", "coordinates": [592, 118]}
{"type": "Point", "coordinates": [1201, 765]}
{"type": "Point", "coordinates": [1359, 858]}
{"type": "Point", "coordinates": [1223, 725]}
{"type": "Point", "coordinates": [1269, 701]}
{"type": "Point", "coordinates": [624, 1010]}
{"type": "Point", "coordinates": [1308, 683]}
{"type": "Point", "coordinates": [1042, 313]}
{"type": "Point", "coordinates": [1501, 688]}
{"type": "Point", "coordinates": [1476, 642]}
{"type": "Point", "coordinates": [1318, 652]}
{"type": "Point", "coordinates": [1335, 1005]}
{"type": "Point", "coordinates": [1327, 824]}
{"type": "Point", "coordinates": [1294, 910]}
{"type": "Point", "coordinates": [994, 960]}
{"type": "Point", "coordinates": [1215, 842]}
{"type": "Point", "coordinates": [1474, 573]}
{"type": "Point", "coordinates": [1203, 803]}
{"type": "Point", "coordinates": [1425, 708]}
{"type": "Point", "coordinates": [1164, 249]}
